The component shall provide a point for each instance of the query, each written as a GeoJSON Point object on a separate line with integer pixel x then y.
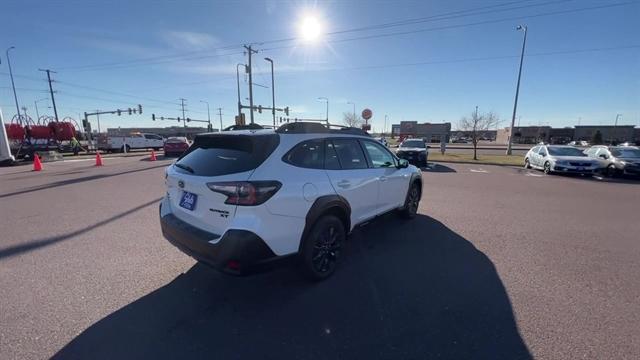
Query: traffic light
{"type": "Point", "coordinates": [260, 109]}
{"type": "Point", "coordinates": [286, 110]}
{"type": "Point", "coordinates": [129, 111]}
{"type": "Point", "coordinates": [153, 117]}
{"type": "Point", "coordinates": [188, 120]}
{"type": "Point", "coordinates": [139, 109]}
{"type": "Point", "coordinates": [85, 125]}
{"type": "Point", "coordinates": [119, 112]}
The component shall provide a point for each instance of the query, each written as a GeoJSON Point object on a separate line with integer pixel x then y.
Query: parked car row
{"type": "Point", "coordinates": [609, 160]}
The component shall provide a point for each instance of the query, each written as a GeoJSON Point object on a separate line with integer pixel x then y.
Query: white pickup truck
{"type": "Point", "coordinates": [130, 142]}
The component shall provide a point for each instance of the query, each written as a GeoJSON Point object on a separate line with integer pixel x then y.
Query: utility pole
{"type": "Point", "coordinates": [15, 97]}
{"type": "Point", "coordinates": [220, 114]}
{"type": "Point", "coordinates": [53, 100]}
{"type": "Point", "coordinates": [184, 117]}
{"type": "Point", "coordinates": [250, 52]}
{"type": "Point", "coordinates": [515, 103]}
{"type": "Point", "coordinates": [98, 119]}
{"type": "Point", "coordinates": [238, 83]}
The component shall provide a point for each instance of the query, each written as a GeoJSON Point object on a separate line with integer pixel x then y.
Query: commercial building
{"type": "Point", "coordinates": [561, 135]}
{"type": "Point", "coordinates": [524, 134]}
{"type": "Point", "coordinates": [189, 132]}
{"type": "Point", "coordinates": [489, 135]}
{"type": "Point", "coordinates": [610, 133]}
{"type": "Point", "coordinates": [536, 134]}
{"type": "Point", "coordinates": [430, 132]}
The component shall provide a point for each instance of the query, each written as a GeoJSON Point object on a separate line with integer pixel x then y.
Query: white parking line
{"type": "Point", "coordinates": [533, 174]}
{"type": "Point", "coordinates": [479, 171]}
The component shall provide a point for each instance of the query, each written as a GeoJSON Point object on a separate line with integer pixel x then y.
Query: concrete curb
{"type": "Point", "coordinates": [473, 163]}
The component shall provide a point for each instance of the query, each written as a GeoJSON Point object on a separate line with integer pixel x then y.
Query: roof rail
{"type": "Point", "coordinates": [303, 127]}
{"type": "Point", "coordinates": [252, 126]}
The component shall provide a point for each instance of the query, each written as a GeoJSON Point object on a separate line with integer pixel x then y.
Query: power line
{"type": "Point", "coordinates": [116, 93]}
{"type": "Point", "coordinates": [432, 18]}
{"type": "Point", "coordinates": [181, 57]}
{"type": "Point", "coordinates": [157, 61]}
{"type": "Point", "coordinates": [446, 27]}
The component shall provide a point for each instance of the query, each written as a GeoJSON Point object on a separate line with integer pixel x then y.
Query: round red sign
{"type": "Point", "coordinates": [366, 114]}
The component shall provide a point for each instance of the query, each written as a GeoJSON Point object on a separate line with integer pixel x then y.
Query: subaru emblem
{"type": "Point", "coordinates": [181, 184]}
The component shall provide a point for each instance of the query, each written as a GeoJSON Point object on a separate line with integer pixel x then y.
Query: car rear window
{"type": "Point", "coordinates": [214, 155]}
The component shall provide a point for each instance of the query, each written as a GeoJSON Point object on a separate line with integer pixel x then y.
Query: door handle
{"type": "Point", "coordinates": [344, 184]}
{"type": "Point", "coordinates": [383, 178]}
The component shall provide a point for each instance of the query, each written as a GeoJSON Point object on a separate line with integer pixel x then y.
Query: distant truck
{"type": "Point", "coordinates": [130, 142]}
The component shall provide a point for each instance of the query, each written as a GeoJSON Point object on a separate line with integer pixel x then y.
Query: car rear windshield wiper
{"type": "Point", "coordinates": [184, 167]}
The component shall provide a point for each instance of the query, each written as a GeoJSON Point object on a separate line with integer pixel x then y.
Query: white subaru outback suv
{"type": "Point", "coordinates": [241, 201]}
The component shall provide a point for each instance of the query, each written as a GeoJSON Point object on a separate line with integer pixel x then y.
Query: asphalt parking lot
{"type": "Point", "coordinates": [501, 263]}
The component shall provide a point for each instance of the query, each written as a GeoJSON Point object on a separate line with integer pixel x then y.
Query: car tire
{"type": "Point", "coordinates": [527, 165]}
{"type": "Point", "coordinates": [128, 148]}
{"type": "Point", "coordinates": [547, 168]}
{"type": "Point", "coordinates": [411, 203]}
{"type": "Point", "coordinates": [611, 171]}
{"type": "Point", "coordinates": [322, 247]}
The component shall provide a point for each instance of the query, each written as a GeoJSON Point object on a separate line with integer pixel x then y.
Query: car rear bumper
{"type": "Point", "coordinates": [238, 252]}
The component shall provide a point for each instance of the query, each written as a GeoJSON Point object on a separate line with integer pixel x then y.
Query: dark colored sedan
{"type": "Point", "coordinates": [175, 146]}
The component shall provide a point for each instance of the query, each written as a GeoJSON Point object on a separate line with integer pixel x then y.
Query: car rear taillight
{"type": "Point", "coordinates": [247, 193]}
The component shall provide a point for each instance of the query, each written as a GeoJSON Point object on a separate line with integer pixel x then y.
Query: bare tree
{"type": "Point", "coordinates": [478, 125]}
{"type": "Point", "coordinates": [351, 119]}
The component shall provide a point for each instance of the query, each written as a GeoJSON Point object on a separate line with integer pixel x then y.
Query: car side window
{"type": "Point", "coordinates": [378, 155]}
{"type": "Point", "coordinates": [535, 149]}
{"type": "Point", "coordinates": [603, 152]}
{"type": "Point", "coordinates": [350, 154]}
{"type": "Point", "coordinates": [542, 151]}
{"type": "Point", "coordinates": [307, 154]}
{"type": "Point", "coordinates": [331, 161]}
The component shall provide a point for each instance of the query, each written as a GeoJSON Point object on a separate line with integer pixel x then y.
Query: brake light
{"type": "Point", "coordinates": [246, 193]}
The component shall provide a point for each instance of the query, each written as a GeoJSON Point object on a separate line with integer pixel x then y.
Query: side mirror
{"type": "Point", "coordinates": [403, 164]}
{"type": "Point", "coordinates": [428, 147]}
{"type": "Point", "coordinates": [604, 156]}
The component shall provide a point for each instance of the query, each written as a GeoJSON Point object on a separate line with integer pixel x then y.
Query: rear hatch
{"type": "Point", "coordinates": [215, 161]}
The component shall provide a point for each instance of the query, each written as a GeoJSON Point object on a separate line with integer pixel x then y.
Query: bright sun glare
{"type": "Point", "coordinates": [310, 28]}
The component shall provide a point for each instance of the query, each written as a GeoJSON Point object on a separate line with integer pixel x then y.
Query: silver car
{"type": "Point", "coordinates": [560, 159]}
{"type": "Point", "coordinates": [617, 160]}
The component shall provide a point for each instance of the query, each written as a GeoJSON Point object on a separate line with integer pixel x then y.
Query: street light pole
{"type": "Point", "coordinates": [13, 85]}
{"type": "Point", "coordinates": [273, 93]}
{"type": "Point", "coordinates": [354, 110]}
{"type": "Point", "coordinates": [327, 113]}
{"type": "Point", "coordinates": [384, 129]}
{"type": "Point", "coordinates": [515, 103]}
{"type": "Point", "coordinates": [208, 114]}
{"type": "Point", "coordinates": [36, 105]}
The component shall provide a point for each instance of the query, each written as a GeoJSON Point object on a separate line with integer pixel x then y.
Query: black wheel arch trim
{"type": "Point", "coordinates": [414, 177]}
{"type": "Point", "coordinates": [320, 207]}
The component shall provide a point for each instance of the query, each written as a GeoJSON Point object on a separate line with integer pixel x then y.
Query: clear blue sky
{"type": "Point", "coordinates": [159, 51]}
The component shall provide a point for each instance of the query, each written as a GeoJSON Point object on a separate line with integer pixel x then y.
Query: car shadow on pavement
{"type": "Point", "coordinates": [405, 290]}
{"type": "Point", "coordinates": [438, 168]}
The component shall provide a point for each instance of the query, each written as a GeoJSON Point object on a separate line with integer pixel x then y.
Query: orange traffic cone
{"type": "Point", "coordinates": [37, 165]}
{"type": "Point", "coordinates": [153, 156]}
{"type": "Point", "coordinates": [98, 159]}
